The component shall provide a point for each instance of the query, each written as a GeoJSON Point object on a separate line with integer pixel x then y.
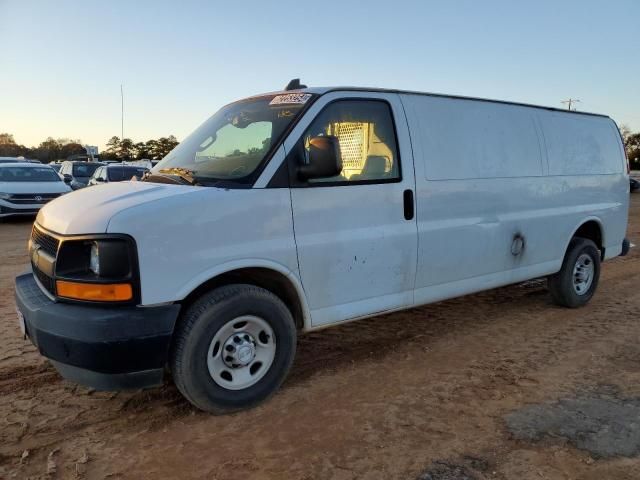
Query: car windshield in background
{"type": "Point", "coordinates": [28, 174]}
{"type": "Point", "coordinates": [234, 142]}
{"type": "Point", "coordinates": [84, 169]}
{"type": "Point", "coordinates": [118, 174]}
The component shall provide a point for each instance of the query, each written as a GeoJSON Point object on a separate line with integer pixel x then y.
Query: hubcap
{"type": "Point", "coordinates": [241, 352]}
{"type": "Point", "coordinates": [583, 272]}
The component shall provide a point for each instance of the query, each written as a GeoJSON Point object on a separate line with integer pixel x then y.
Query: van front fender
{"type": "Point", "coordinates": [229, 267]}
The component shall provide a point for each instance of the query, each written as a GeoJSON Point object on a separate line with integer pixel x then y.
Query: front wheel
{"type": "Point", "coordinates": [233, 348]}
{"type": "Point", "coordinates": [577, 280]}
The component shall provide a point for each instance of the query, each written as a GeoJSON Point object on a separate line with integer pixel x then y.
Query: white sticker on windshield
{"type": "Point", "coordinates": [290, 99]}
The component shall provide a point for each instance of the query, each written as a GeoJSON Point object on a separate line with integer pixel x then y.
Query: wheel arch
{"type": "Point", "coordinates": [265, 274]}
{"type": "Point", "coordinates": [592, 229]}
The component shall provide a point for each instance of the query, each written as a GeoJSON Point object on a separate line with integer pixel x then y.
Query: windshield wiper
{"type": "Point", "coordinates": [183, 173]}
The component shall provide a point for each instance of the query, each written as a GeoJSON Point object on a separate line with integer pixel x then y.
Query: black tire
{"type": "Point", "coordinates": [561, 285]}
{"type": "Point", "coordinates": [194, 334]}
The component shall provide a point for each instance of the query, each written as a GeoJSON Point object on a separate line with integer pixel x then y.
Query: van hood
{"type": "Point", "coordinates": [89, 210]}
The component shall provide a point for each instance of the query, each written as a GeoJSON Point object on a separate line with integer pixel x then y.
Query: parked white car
{"type": "Point", "coordinates": [26, 187]}
{"type": "Point", "coordinates": [293, 211]}
{"type": "Point", "coordinates": [17, 160]}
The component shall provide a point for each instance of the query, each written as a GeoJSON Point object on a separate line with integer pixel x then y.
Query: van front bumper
{"type": "Point", "coordinates": [102, 347]}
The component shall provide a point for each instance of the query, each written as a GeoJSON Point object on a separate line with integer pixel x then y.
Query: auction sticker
{"type": "Point", "coordinates": [290, 99]}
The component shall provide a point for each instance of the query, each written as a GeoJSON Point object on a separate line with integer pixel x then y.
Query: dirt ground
{"type": "Point", "coordinates": [499, 385]}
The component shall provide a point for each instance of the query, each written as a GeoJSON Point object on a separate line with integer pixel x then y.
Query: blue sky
{"type": "Point", "coordinates": [63, 61]}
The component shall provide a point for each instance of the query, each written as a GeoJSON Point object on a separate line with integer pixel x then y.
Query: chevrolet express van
{"type": "Point", "coordinates": [293, 211]}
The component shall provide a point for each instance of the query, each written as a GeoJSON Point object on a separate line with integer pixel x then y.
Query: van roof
{"type": "Point", "coordinates": [323, 90]}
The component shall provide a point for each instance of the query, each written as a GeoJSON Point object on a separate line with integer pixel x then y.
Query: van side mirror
{"type": "Point", "coordinates": [67, 178]}
{"type": "Point", "coordinates": [324, 159]}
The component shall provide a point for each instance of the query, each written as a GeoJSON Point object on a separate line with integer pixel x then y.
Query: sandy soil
{"type": "Point", "coordinates": [419, 394]}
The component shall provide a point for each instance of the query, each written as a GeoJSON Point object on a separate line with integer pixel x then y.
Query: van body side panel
{"type": "Point", "coordinates": [482, 180]}
{"type": "Point", "coordinates": [189, 239]}
{"type": "Point", "coordinates": [587, 175]}
{"type": "Point", "coordinates": [479, 174]}
{"type": "Point", "coordinates": [580, 145]}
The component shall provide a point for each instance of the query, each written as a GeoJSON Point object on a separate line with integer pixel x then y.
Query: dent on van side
{"type": "Point", "coordinates": [302, 209]}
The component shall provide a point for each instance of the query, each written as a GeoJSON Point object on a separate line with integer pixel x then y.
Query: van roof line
{"type": "Point", "coordinates": [323, 90]}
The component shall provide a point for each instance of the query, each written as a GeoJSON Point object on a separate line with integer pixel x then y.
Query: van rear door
{"type": "Point", "coordinates": [356, 233]}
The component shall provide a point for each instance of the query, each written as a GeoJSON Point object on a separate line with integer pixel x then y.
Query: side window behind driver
{"type": "Point", "coordinates": [367, 140]}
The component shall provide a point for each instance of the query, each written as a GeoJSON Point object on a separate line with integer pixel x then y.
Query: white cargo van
{"type": "Point", "coordinates": [297, 210]}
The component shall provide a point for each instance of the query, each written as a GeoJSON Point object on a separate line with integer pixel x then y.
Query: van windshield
{"type": "Point", "coordinates": [234, 142]}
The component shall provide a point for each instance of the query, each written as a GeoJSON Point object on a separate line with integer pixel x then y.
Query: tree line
{"type": "Point", "coordinates": [53, 149]}
{"type": "Point", "coordinates": [126, 149]}
{"type": "Point", "coordinates": [632, 146]}
{"type": "Point", "coordinates": [49, 150]}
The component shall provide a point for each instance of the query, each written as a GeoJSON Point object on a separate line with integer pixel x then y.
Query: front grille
{"type": "Point", "coordinates": [48, 243]}
{"type": "Point", "coordinates": [29, 198]}
{"type": "Point", "coordinates": [29, 201]}
{"type": "Point", "coordinates": [47, 282]}
{"type": "Point", "coordinates": [22, 196]}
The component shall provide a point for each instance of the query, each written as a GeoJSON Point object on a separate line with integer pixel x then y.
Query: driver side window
{"type": "Point", "coordinates": [367, 139]}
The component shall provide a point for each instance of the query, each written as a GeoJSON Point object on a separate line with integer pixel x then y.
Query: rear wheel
{"type": "Point", "coordinates": [233, 348]}
{"type": "Point", "coordinates": [577, 280]}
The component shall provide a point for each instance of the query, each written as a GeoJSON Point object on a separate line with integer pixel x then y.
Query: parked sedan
{"type": "Point", "coordinates": [11, 160]}
{"type": "Point", "coordinates": [17, 160]}
{"type": "Point", "coordinates": [116, 173]}
{"type": "Point", "coordinates": [26, 187]}
{"type": "Point", "coordinates": [78, 173]}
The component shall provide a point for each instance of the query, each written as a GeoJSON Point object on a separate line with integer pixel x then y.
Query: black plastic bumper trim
{"type": "Point", "coordinates": [626, 246]}
{"type": "Point", "coordinates": [110, 381]}
{"type": "Point", "coordinates": [102, 339]}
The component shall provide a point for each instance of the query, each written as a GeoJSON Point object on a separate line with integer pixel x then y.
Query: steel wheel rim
{"type": "Point", "coordinates": [583, 272]}
{"type": "Point", "coordinates": [241, 352]}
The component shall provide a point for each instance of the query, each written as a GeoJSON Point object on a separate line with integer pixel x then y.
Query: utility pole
{"type": "Point", "coordinates": [121, 113]}
{"type": "Point", "coordinates": [570, 102]}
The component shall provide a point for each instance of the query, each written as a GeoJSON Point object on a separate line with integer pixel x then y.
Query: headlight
{"type": "Point", "coordinates": [94, 259]}
{"type": "Point", "coordinates": [98, 268]}
{"type": "Point", "coordinates": [5, 196]}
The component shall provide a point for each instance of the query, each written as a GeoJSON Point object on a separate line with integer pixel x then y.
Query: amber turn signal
{"type": "Point", "coordinates": [97, 292]}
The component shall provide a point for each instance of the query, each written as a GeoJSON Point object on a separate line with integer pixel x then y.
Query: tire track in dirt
{"type": "Point", "coordinates": [27, 376]}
